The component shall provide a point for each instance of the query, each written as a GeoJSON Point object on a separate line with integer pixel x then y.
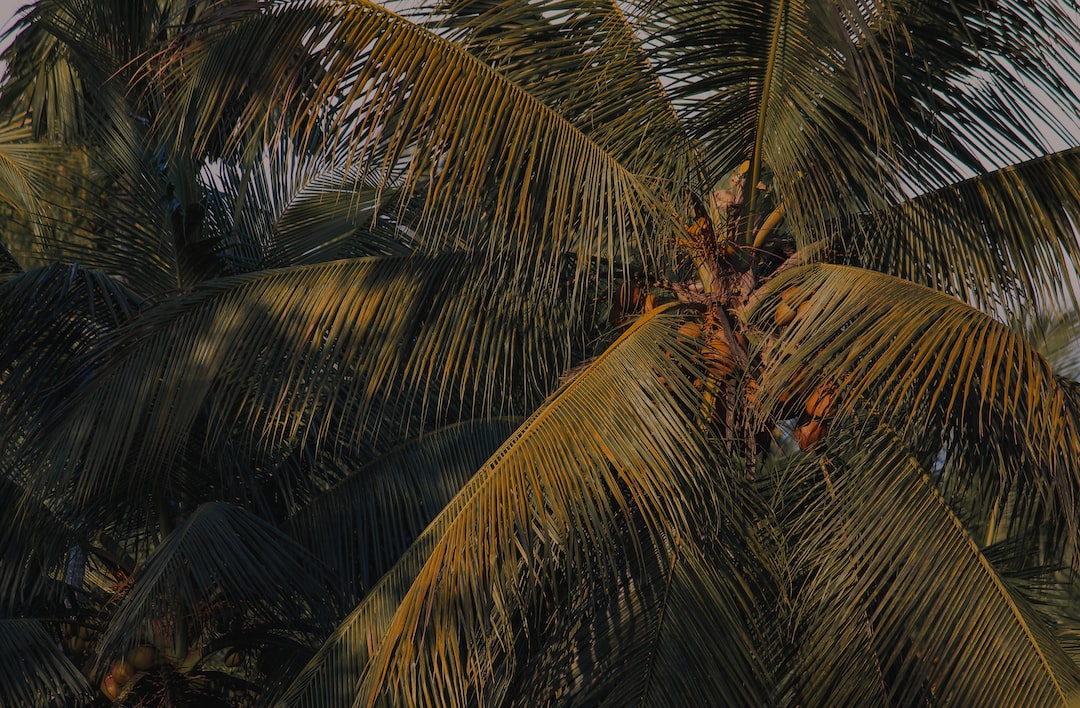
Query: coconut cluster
{"type": "Point", "coordinates": [123, 671]}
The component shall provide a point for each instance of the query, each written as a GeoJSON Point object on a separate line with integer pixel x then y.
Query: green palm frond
{"type": "Point", "coordinates": [50, 317]}
{"type": "Point", "coordinates": [345, 354]}
{"type": "Point", "coordinates": [608, 353]}
{"type": "Point", "coordinates": [604, 81]}
{"type": "Point", "coordinates": [969, 393]}
{"type": "Point", "coordinates": [985, 100]}
{"type": "Point", "coordinates": [23, 165]}
{"type": "Point", "coordinates": [221, 567]}
{"type": "Point", "coordinates": [614, 442]}
{"type": "Point", "coordinates": [906, 349]}
{"type": "Point", "coordinates": [362, 525]}
{"type": "Point", "coordinates": [43, 78]}
{"type": "Point", "coordinates": [112, 206]}
{"type": "Point", "coordinates": [33, 670]}
{"type": "Point", "coordinates": [906, 617]}
{"type": "Point", "coordinates": [34, 545]}
{"type": "Point", "coordinates": [681, 629]}
{"type": "Point", "coordinates": [34, 178]}
{"type": "Point", "coordinates": [1003, 238]}
{"type": "Point", "coordinates": [783, 85]}
{"type": "Point", "coordinates": [1057, 337]}
{"type": "Point", "coordinates": [541, 183]}
{"type": "Point", "coordinates": [296, 209]}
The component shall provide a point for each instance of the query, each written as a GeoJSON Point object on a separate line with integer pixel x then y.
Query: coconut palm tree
{"type": "Point", "coordinates": [539, 353]}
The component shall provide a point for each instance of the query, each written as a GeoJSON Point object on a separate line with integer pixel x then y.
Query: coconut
{"type": "Point", "coordinates": [784, 314]}
{"type": "Point", "coordinates": [808, 434]}
{"type": "Point", "coordinates": [110, 687]}
{"type": "Point", "coordinates": [822, 402]}
{"type": "Point", "coordinates": [122, 671]}
{"type": "Point", "coordinates": [690, 330]}
{"type": "Point", "coordinates": [142, 657]}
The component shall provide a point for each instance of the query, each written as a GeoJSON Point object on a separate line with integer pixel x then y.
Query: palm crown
{"type": "Point", "coordinates": [539, 353]}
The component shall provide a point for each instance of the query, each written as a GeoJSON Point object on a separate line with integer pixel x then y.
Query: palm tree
{"type": "Point", "coordinates": [539, 353]}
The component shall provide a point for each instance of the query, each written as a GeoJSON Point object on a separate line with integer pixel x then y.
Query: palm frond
{"type": "Point", "coordinates": [362, 525]}
{"type": "Point", "coordinates": [906, 617]}
{"type": "Point", "coordinates": [220, 567]}
{"type": "Point", "coordinates": [48, 316]}
{"type": "Point", "coordinates": [904, 352]}
{"type": "Point", "coordinates": [605, 83]}
{"type": "Point", "coordinates": [346, 354]}
{"type": "Point", "coordinates": [787, 87]}
{"type": "Point", "coordinates": [34, 545]}
{"type": "Point", "coordinates": [33, 670]}
{"type": "Point", "coordinates": [1000, 239]}
{"type": "Point", "coordinates": [986, 100]}
{"type": "Point", "coordinates": [432, 117]}
{"type": "Point", "coordinates": [1057, 338]}
{"type": "Point", "coordinates": [613, 442]}
{"type": "Point", "coordinates": [23, 165]}
{"type": "Point", "coordinates": [680, 629]}
{"type": "Point", "coordinates": [291, 208]}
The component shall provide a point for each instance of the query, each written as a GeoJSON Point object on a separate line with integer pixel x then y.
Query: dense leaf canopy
{"type": "Point", "coordinates": [540, 352]}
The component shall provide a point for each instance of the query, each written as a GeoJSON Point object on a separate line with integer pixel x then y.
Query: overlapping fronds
{"type": "Point", "coordinates": [23, 165]}
{"type": "Point", "coordinates": [362, 525]}
{"type": "Point", "coordinates": [295, 209]}
{"type": "Point", "coordinates": [902, 347]}
{"type": "Point", "coordinates": [221, 567]}
{"type": "Point", "coordinates": [600, 78]}
{"type": "Point", "coordinates": [33, 671]}
{"type": "Point", "coordinates": [432, 117]}
{"type": "Point", "coordinates": [998, 91]}
{"type": "Point", "coordinates": [898, 598]}
{"type": "Point", "coordinates": [1056, 336]}
{"type": "Point", "coordinates": [332, 253]}
{"type": "Point", "coordinates": [681, 629]}
{"type": "Point", "coordinates": [936, 367]}
{"type": "Point", "coordinates": [618, 446]}
{"type": "Point", "coordinates": [1005, 238]}
{"type": "Point", "coordinates": [786, 86]}
{"type": "Point", "coordinates": [342, 354]}
{"type": "Point", "coordinates": [34, 544]}
{"type": "Point", "coordinates": [836, 102]}
{"type": "Point", "coordinates": [50, 317]}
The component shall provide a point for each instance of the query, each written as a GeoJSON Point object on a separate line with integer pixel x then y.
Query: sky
{"type": "Point", "coordinates": [7, 13]}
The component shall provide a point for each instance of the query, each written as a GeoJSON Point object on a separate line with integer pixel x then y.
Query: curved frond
{"type": "Point", "coordinates": [785, 86]}
{"type": "Point", "coordinates": [613, 442]}
{"type": "Point", "coordinates": [849, 106]}
{"type": "Point", "coordinates": [34, 545]}
{"type": "Point", "coordinates": [23, 165]}
{"type": "Point", "coordinates": [290, 208]}
{"type": "Point", "coordinates": [49, 316]}
{"type": "Point", "coordinates": [927, 361]}
{"type": "Point", "coordinates": [601, 78]}
{"type": "Point", "coordinates": [899, 603]}
{"type": "Point", "coordinates": [422, 113]}
{"type": "Point", "coordinates": [681, 629]}
{"type": "Point", "coordinates": [221, 566]}
{"type": "Point", "coordinates": [33, 670]}
{"type": "Point", "coordinates": [980, 409]}
{"type": "Point", "coordinates": [362, 525]}
{"type": "Point", "coordinates": [351, 355]}
{"type": "Point", "coordinates": [1005, 238]}
{"type": "Point", "coordinates": [1056, 337]}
